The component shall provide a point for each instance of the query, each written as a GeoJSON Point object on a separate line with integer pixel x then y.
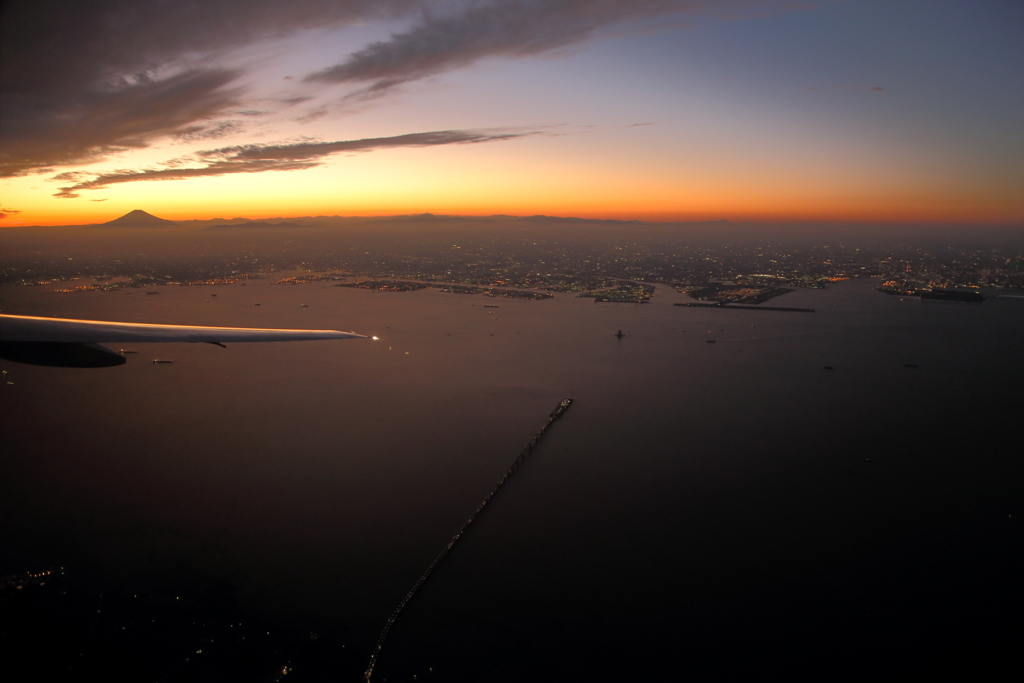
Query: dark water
{"type": "Point", "coordinates": [703, 509]}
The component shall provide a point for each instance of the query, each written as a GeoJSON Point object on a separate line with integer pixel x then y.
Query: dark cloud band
{"type": "Point", "coordinates": [471, 31]}
{"type": "Point", "coordinates": [283, 157]}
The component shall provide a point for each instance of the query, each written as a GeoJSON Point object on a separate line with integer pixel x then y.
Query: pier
{"type": "Point", "coordinates": [516, 464]}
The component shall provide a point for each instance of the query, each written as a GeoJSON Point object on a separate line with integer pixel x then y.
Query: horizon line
{"type": "Point", "coordinates": [627, 221]}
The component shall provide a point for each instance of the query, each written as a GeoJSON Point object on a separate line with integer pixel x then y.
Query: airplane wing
{"type": "Point", "coordinates": [76, 343]}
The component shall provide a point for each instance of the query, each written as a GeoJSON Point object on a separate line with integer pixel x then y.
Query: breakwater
{"type": "Point", "coordinates": [733, 307]}
{"type": "Point", "coordinates": [516, 464]}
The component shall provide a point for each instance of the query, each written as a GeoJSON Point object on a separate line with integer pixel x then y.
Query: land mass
{"type": "Point", "coordinates": [614, 261]}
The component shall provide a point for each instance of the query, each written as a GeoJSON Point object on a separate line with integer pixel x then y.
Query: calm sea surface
{"type": "Point", "coordinates": [701, 509]}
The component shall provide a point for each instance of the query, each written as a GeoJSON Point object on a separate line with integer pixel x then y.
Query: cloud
{"type": "Point", "coordinates": [292, 156]}
{"type": "Point", "coordinates": [311, 116]}
{"type": "Point", "coordinates": [292, 101]}
{"type": "Point", "coordinates": [4, 213]}
{"type": "Point", "coordinates": [314, 150]}
{"type": "Point", "coordinates": [85, 80]}
{"type": "Point", "coordinates": [113, 120]}
{"type": "Point", "coordinates": [441, 41]}
{"type": "Point", "coordinates": [213, 131]}
{"type": "Point", "coordinates": [875, 88]}
{"type": "Point", "coordinates": [468, 32]}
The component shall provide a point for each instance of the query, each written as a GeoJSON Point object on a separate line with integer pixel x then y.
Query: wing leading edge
{"type": "Point", "coordinates": [76, 343]}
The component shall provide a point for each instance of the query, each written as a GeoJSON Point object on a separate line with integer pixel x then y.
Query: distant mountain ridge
{"type": "Point", "coordinates": [428, 218]}
{"type": "Point", "coordinates": [257, 224]}
{"type": "Point", "coordinates": [141, 219]}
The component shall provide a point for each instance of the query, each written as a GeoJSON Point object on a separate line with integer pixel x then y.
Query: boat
{"type": "Point", "coordinates": [157, 360]}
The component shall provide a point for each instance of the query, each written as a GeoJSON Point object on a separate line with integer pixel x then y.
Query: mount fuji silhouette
{"type": "Point", "coordinates": [140, 218]}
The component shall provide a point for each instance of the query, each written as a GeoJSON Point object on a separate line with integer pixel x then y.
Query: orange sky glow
{"type": "Point", "coordinates": [781, 114]}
